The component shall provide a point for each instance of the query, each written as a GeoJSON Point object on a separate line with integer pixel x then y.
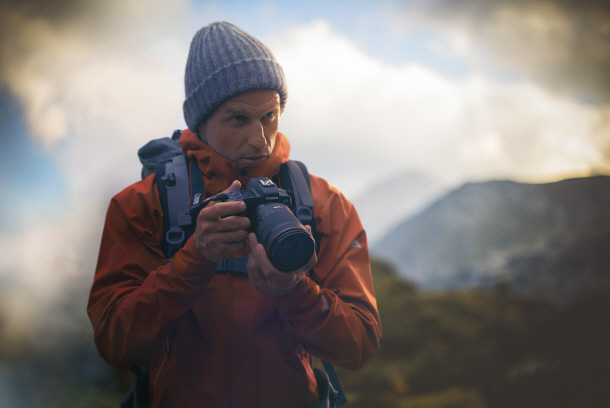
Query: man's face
{"type": "Point", "coordinates": [243, 129]}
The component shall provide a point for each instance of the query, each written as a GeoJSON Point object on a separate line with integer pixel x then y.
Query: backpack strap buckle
{"type": "Point", "coordinates": [175, 235]}
{"type": "Point", "coordinates": [233, 265]}
{"type": "Point", "coordinates": [169, 179]}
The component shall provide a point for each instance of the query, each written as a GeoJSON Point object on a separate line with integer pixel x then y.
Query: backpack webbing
{"type": "Point", "coordinates": [176, 187]}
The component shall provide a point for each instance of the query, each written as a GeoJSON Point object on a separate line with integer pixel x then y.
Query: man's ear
{"type": "Point", "coordinates": [201, 133]}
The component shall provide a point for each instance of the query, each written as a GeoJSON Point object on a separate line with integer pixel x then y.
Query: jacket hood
{"type": "Point", "coordinates": [219, 173]}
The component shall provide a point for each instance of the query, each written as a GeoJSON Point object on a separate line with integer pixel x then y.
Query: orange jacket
{"type": "Point", "coordinates": [215, 340]}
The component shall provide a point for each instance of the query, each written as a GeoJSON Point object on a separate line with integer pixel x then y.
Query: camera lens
{"type": "Point", "coordinates": [288, 244]}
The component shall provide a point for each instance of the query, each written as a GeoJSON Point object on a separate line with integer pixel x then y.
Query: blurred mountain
{"type": "Point", "coordinates": [541, 239]}
{"type": "Point", "coordinates": [393, 200]}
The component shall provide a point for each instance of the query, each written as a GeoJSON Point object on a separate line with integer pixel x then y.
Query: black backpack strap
{"type": "Point", "coordinates": [177, 189]}
{"type": "Point", "coordinates": [137, 396]}
{"type": "Point", "coordinates": [337, 390]}
{"type": "Point", "coordinates": [293, 176]}
{"type": "Point", "coordinates": [328, 395]}
{"type": "Point", "coordinates": [178, 193]}
{"type": "Point", "coordinates": [177, 186]}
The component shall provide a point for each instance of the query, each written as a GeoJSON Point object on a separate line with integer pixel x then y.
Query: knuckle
{"type": "Point", "coordinates": [204, 229]}
{"type": "Point", "coordinates": [218, 210]}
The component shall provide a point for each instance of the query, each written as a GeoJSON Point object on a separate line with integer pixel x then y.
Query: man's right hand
{"type": "Point", "coordinates": [216, 237]}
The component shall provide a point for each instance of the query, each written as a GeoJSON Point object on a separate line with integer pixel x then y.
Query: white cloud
{"type": "Point", "coordinates": [37, 264]}
{"type": "Point", "coordinates": [93, 103]}
{"type": "Point", "coordinates": [561, 45]}
{"type": "Point", "coordinates": [365, 117]}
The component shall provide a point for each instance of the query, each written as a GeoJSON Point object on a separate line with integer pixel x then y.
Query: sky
{"type": "Point", "coordinates": [456, 91]}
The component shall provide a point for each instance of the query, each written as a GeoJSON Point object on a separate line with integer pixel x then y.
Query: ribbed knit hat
{"type": "Point", "coordinates": [225, 61]}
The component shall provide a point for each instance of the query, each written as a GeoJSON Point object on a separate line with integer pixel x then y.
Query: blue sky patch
{"type": "Point", "coordinates": [32, 183]}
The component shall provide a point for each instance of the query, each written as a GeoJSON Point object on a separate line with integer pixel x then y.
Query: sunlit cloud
{"type": "Point", "coordinates": [561, 44]}
{"type": "Point", "coordinates": [365, 117]}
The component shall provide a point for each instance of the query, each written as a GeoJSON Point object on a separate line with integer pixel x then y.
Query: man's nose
{"type": "Point", "coordinates": [257, 138]}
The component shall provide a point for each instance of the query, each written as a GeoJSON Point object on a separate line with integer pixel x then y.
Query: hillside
{"type": "Point", "coordinates": [482, 348]}
{"type": "Point", "coordinates": [548, 239]}
{"type": "Point", "coordinates": [408, 192]}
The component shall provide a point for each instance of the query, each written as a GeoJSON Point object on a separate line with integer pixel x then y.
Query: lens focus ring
{"type": "Point", "coordinates": [288, 244]}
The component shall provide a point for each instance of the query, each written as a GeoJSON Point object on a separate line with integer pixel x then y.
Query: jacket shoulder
{"type": "Point", "coordinates": [145, 188]}
{"type": "Point", "coordinates": [139, 203]}
{"type": "Point", "coordinates": [325, 195]}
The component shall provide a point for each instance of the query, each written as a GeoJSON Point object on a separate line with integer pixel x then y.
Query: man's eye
{"type": "Point", "coordinates": [270, 114]}
{"type": "Point", "coordinates": [239, 118]}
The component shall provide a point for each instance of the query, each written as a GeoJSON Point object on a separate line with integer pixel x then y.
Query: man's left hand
{"type": "Point", "coordinates": [266, 278]}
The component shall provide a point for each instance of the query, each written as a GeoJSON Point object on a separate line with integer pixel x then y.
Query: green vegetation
{"type": "Point", "coordinates": [482, 349]}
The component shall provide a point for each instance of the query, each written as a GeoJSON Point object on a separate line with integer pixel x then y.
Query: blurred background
{"type": "Point", "coordinates": [472, 136]}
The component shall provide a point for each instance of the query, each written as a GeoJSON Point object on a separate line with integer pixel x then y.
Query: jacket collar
{"type": "Point", "coordinates": [219, 173]}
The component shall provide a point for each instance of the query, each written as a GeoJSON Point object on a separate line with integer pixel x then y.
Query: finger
{"type": "Point", "coordinates": [253, 241]}
{"type": "Point", "coordinates": [235, 186]}
{"type": "Point", "coordinates": [260, 255]}
{"type": "Point", "coordinates": [254, 271]}
{"type": "Point", "coordinates": [233, 223]}
{"type": "Point", "coordinates": [232, 247]}
{"type": "Point", "coordinates": [223, 251]}
{"type": "Point", "coordinates": [228, 237]}
{"type": "Point", "coordinates": [228, 224]}
{"type": "Point", "coordinates": [314, 258]}
{"type": "Point", "coordinates": [222, 209]}
{"type": "Point", "coordinates": [312, 262]}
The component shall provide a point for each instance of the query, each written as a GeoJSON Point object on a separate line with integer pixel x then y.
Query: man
{"type": "Point", "coordinates": [231, 339]}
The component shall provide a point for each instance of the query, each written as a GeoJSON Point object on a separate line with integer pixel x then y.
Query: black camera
{"type": "Point", "coordinates": [271, 212]}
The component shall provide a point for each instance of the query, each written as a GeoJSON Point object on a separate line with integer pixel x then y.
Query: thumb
{"type": "Point", "coordinates": [235, 186]}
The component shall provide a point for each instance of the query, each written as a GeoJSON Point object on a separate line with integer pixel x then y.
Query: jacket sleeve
{"type": "Point", "coordinates": [336, 321]}
{"type": "Point", "coordinates": [137, 297]}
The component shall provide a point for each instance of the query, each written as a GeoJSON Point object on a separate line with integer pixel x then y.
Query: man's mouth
{"type": "Point", "coordinates": [253, 159]}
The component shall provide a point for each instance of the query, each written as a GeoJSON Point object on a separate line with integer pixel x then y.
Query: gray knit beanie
{"type": "Point", "coordinates": [225, 61]}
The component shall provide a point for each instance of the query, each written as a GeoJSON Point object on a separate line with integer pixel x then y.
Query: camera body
{"type": "Point", "coordinates": [271, 212]}
{"type": "Point", "coordinates": [259, 191]}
